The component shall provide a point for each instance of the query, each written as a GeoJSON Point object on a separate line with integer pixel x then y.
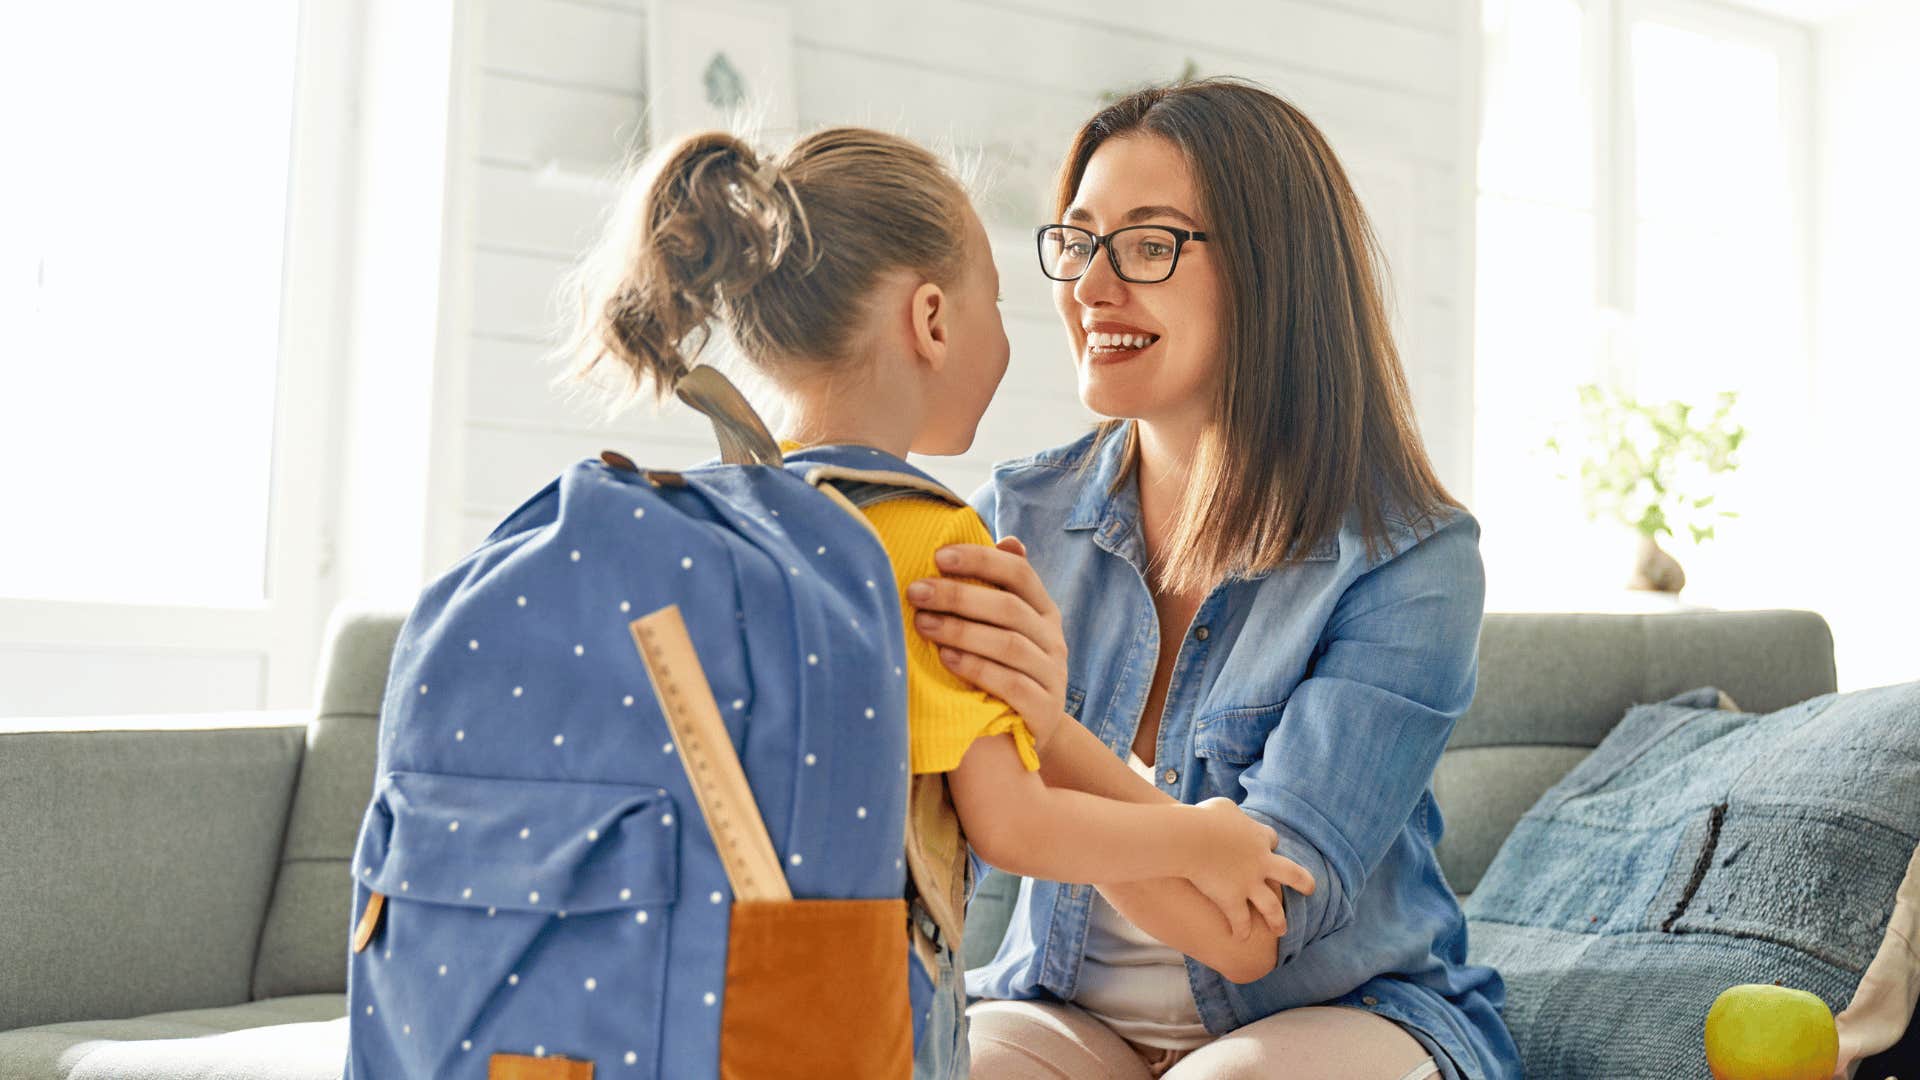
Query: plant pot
{"type": "Point", "coordinates": [1656, 571]}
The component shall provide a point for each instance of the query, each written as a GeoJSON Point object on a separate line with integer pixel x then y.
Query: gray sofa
{"type": "Point", "coordinates": [174, 893]}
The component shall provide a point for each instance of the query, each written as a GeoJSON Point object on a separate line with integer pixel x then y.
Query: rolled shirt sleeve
{"type": "Point", "coordinates": [1357, 742]}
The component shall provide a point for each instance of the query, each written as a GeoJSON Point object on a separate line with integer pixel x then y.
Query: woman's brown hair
{"type": "Point", "coordinates": [1313, 414]}
{"type": "Point", "coordinates": [784, 249]}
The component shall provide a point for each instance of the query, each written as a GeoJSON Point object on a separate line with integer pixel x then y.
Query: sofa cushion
{"type": "Point", "coordinates": [303, 946]}
{"type": "Point", "coordinates": [1483, 790]}
{"type": "Point", "coordinates": [1552, 685]}
{"type": "Point", "coordinates": [293, 1038]}
{"type": "Point", "coordinates": [136, 858]}
{"type": "Point", "coordinates": [1696, 849]}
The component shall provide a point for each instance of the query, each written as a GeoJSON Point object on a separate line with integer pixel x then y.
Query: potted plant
{"type": "Point", "coordinates": [1653, 467]}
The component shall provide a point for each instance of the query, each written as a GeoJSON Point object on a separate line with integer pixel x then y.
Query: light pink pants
{"type": "Point", "coordinates": [1032, 1040]}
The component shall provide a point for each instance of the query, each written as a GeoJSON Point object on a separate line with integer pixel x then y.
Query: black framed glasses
{"type": "Point", "coordinates": [1141, 254]}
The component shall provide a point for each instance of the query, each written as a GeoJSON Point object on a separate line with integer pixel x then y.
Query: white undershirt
{"type": "Point", "coordinates": [1133, 983]}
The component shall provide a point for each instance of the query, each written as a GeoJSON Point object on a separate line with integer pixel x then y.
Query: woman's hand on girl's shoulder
{"type": "Point", "coordinates": [998, 629]}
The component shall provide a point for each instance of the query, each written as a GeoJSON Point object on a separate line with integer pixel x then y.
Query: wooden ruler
{"type": "Point", "coordinates": [719, 783]}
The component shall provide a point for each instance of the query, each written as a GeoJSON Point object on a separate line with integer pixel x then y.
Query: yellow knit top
{"type": "Point", "coordinates": [944, 713]}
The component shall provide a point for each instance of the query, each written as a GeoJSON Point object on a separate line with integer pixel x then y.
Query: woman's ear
{"type": "Point", "coordinates": [930, 324]}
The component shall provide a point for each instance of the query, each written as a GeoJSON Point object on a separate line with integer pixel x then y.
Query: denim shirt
{"type": "Point", "coordinates": [1318, 697]}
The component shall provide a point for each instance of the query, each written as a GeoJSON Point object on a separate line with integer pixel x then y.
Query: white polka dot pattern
{"type": "Point", "coordinates": [551, 738]}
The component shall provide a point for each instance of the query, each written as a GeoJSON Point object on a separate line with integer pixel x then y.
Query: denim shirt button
{"type": "Point", "coordinates": [1201, 632]}
{"type": "Point", "coordinates": [1369, 1000]}
{"type": "Point", "coordinates": [1172, 776]}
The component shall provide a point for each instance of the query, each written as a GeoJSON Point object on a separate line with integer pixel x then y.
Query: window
{"type": "Point", "coordinates": [142, 302]}
{"type": "Point", "coordinates": [160, 424]}
{"type": "Point", "coordinates": [1641, 211]}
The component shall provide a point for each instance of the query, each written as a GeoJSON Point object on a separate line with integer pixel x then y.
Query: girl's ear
{"type": "Point", "coordinates": [928, 310]}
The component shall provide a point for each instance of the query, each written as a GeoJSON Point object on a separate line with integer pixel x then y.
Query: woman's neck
{"type": "Point", "coordinates": [1164, 468]}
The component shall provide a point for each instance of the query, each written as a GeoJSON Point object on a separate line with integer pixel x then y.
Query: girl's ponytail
{"type": "Point", "coordinates": [786, 251]}
{"type": "Point", "coordinates": [708, 225]}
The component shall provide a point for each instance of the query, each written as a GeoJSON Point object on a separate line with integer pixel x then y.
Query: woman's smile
{"type": "Point", "coordinates": [1107, 342]}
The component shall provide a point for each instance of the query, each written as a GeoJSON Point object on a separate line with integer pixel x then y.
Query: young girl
{"type": "Point", "coordinates": [854, 274]}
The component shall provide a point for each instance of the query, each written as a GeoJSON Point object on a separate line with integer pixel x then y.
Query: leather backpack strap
{"type": "Point", "coordinates": [742, 435]}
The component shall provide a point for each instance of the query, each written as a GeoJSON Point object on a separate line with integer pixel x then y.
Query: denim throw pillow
{"type": "Point", "coordinates": [1695, 849]}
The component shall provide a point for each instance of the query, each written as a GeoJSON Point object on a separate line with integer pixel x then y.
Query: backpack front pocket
{"type": "Point", "coordinates": [524, 917]}
{"type": "Point", "coordinates": [817, 988]}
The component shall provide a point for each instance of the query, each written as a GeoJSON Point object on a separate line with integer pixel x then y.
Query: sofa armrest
{"type": "Point", "coordinates": [136, 858]}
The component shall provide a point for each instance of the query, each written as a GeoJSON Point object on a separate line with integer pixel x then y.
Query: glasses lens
{"type": "Point", "coordinates": [1146, 255]}
{"type": "Point", "coordinates": [1065, 252]}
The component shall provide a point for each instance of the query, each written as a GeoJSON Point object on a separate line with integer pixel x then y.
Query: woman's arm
{"type": "Point", "coordinates": [1181, 917]}
{"type": "Point", "coordinates": [1356, 745]}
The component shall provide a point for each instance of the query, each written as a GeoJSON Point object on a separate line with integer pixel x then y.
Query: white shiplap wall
{"type": "Point", "coordinates": [557, 96]}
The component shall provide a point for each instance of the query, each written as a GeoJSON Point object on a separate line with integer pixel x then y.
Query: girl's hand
{"type": "Point", "coordinates": [999, 631]}
{"type": "Point", "coordinates": [1235, 866]}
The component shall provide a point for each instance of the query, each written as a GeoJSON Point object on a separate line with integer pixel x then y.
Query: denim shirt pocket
{"type": "Point", "coordinates": [1228, 741]}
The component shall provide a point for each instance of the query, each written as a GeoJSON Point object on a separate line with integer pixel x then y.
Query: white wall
{"type": "Point", "coordinates": [558, 86]}
{"type": "Point", "coordinates": [442, 184]}
{"type": "Point", "coordinates": [1864, 514]}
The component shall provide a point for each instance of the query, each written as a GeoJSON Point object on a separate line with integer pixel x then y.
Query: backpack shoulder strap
{"type": "Point", "coordinates": [865, 487]}
{"type": "Point", "coordinates": [859, 477]}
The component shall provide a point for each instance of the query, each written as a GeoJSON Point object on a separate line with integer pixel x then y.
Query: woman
{"type": "Point", "coordinates": [1262, 589]}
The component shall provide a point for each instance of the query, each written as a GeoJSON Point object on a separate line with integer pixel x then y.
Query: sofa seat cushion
{"type": "Point", "coordinates": [288, 1038]}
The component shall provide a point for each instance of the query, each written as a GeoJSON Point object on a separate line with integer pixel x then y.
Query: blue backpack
{"type": "Point", "coordinates": [536, 893]}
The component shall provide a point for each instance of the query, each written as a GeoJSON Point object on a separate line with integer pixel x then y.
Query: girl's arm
{"type": "Point", "coordinates": [1021, 825]}
{"type": "Point", "coordinates": [1008, 641]}
{"type": "Point", "coordinates": [1171, 909]}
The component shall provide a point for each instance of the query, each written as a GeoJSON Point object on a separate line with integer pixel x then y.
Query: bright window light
{"type": "Point", "coordinates": [1639, 217]}
{"type": "Point", "coordinates": [1540, 328]}
{"type": "Point", "coordinates": [141, 234]}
